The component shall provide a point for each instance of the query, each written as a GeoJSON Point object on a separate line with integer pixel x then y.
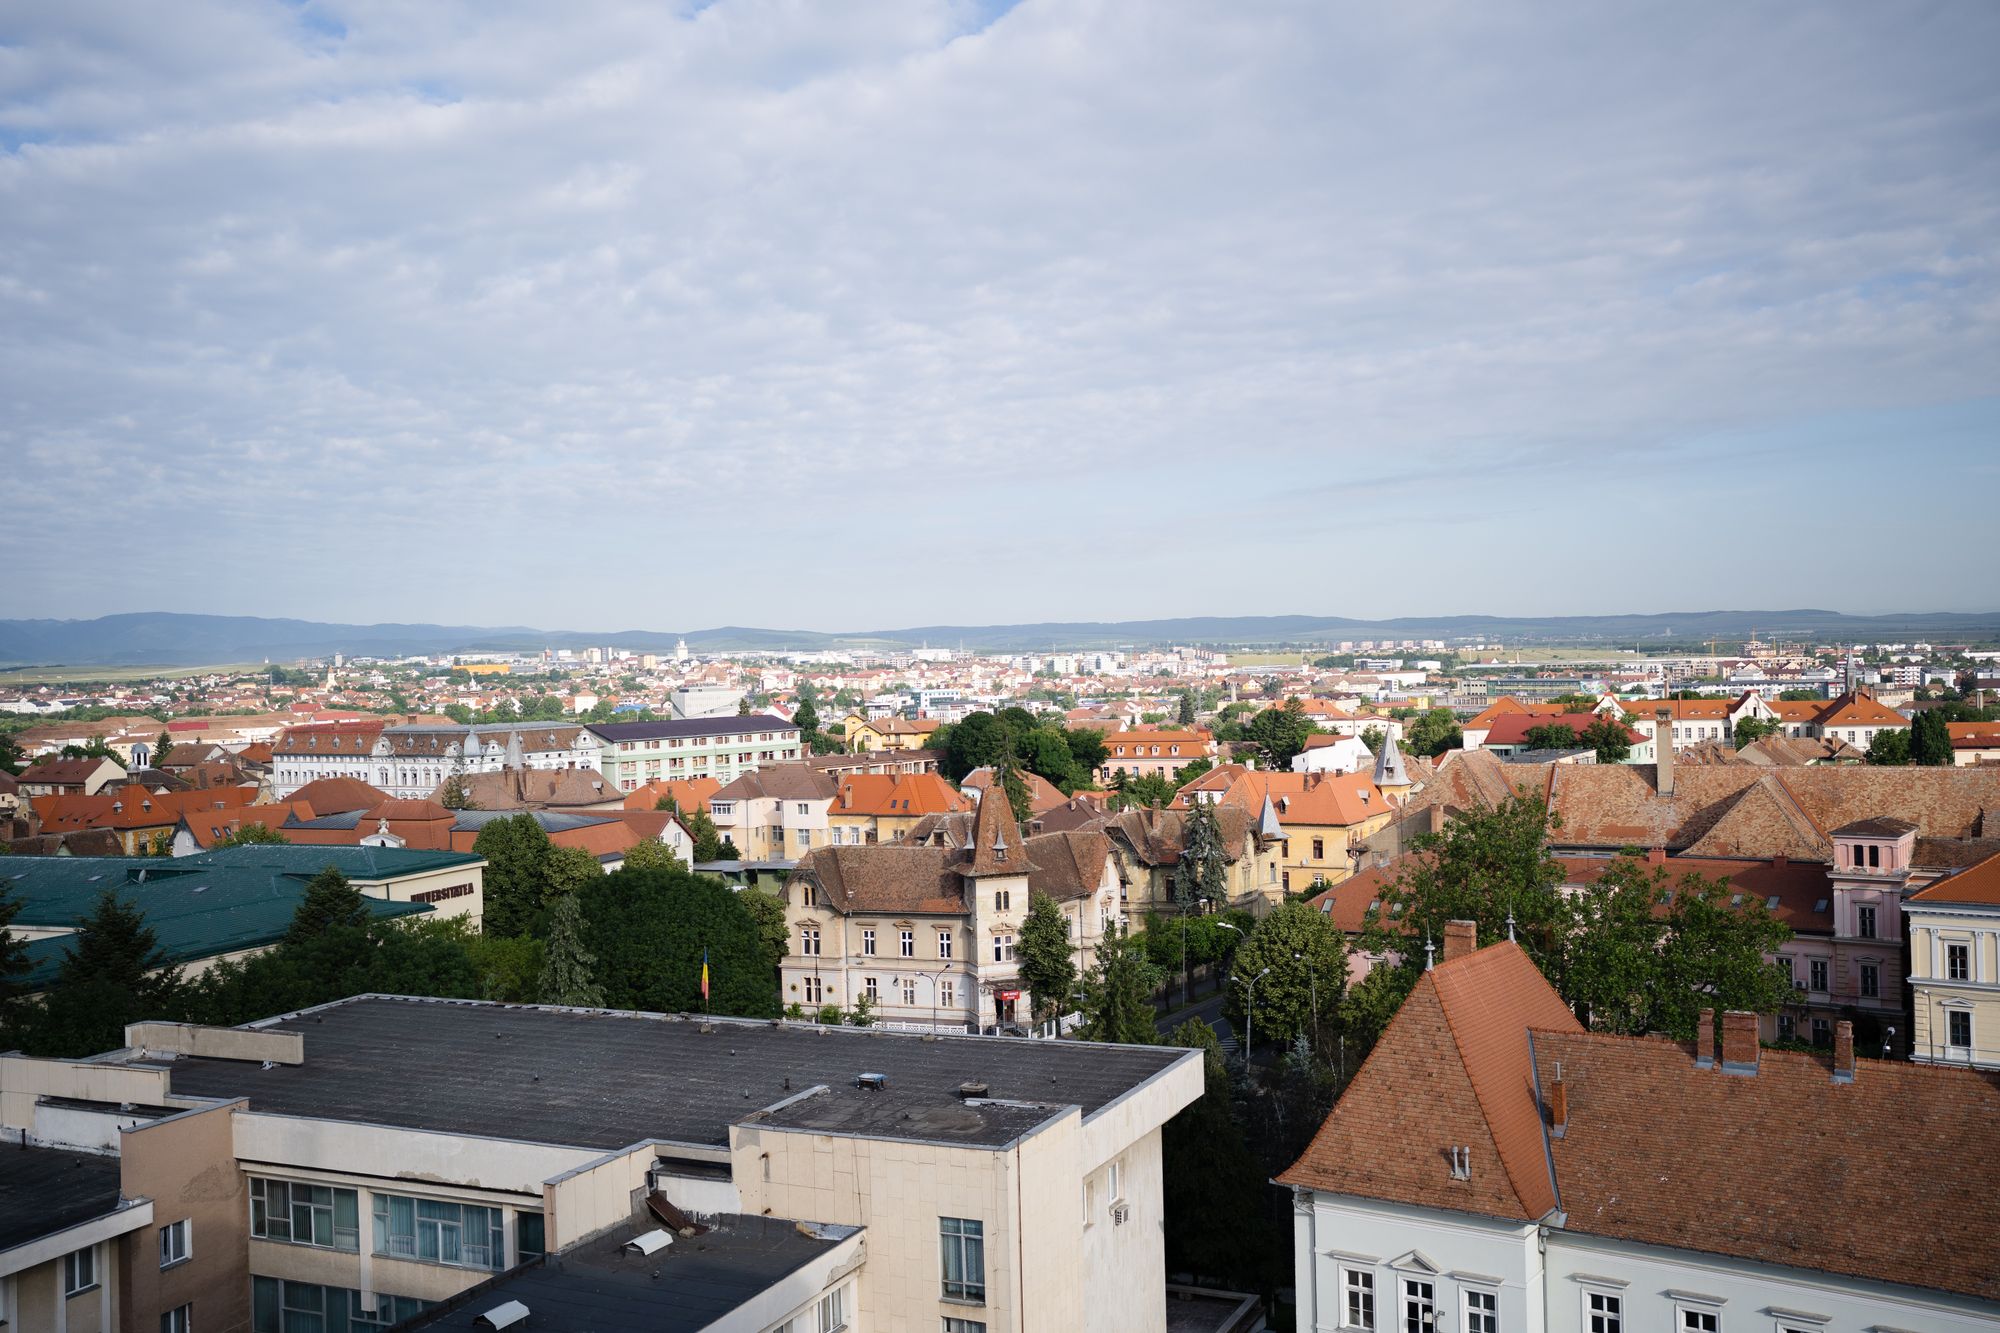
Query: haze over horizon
{"type": "Point", "coordinates": [765, 314]}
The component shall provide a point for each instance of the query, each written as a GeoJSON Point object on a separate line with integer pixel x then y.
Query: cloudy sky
{"type": "Point", "coordinates": [848, 316]}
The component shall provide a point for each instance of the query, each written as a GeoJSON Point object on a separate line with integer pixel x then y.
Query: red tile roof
{"type": "Point", "coordinates": [1513, 729]}
{"type": "Point", "coordinates": [1978, 884]}
{"type": "Point", "coordinates": [896, 794]}
{"type": "Point", "coordinates": [1450, 1071]}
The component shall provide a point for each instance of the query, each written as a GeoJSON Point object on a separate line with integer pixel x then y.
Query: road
{"type": "Point", "coordinates": [1209, 1010]}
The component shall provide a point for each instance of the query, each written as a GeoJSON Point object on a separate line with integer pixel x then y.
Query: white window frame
{"type": "Point", "coordinates": [944, 938]}
{"type": "Point", "coordinates": [868, 941]}
{"type": "Point", "coordinates": [1689, 1312]}
{"type": "Point", "coordinates": [1613, 1316]}
{"type": "Point", "coordinates": [1404, 1281]}
{"type": "Point", "coordinates": [176, 1243]}
{"type": "Point", "coordinates": [72, 1270]}
{"type": "Point", "coordinates": [180, 1319]}
{"type": "Point", "coordinates": [1352, 1280]}
{"type": "Point", "coordinates": [1467, 1293]}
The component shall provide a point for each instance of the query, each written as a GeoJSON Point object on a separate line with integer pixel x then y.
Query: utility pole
{"type": "Point", "coordinates": [1250, 1015]}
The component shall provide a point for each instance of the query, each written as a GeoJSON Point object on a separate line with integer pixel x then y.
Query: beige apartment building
{"type": "Point", "coordinates": [1954, 931]}
{"type": "Point", "coordinates": [775, 814]}
{"type": "Point", "coordinates": [357, 1164]}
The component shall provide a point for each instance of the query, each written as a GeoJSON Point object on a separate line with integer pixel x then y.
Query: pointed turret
{"type": "Point", "coordinates": [516, 757]}
{"type": "Point", "coordinates": [1268, 827]}
{"type": "Point", "coordinates": [994, 836]}
{"type": "Point", "coordinates": [1389, 770]}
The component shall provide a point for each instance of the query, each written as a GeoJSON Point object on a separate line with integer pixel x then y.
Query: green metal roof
{"type": "Point", "coordinates": [198, 906]}
{"type": "Point", "coordinates": [366, 863]}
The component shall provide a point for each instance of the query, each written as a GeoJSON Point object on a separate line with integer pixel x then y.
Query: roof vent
{"type": "Point", "coordinates": [972, 1090]}
{"type": "Point", "coordinates": [871, 1082]}
{"type": "Point", "coordinates": [505, 1315]}
{"type": "Point", "coordinates": [648, 1242]}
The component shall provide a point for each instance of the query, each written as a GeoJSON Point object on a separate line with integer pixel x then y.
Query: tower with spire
{"type": "Point", "coordinates": [1391, 776]}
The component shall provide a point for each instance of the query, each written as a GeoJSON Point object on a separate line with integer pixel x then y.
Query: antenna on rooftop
{"type": "Point", "coordinates": [1430, 954]}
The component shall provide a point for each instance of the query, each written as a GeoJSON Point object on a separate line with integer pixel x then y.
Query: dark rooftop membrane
{"type": "Point", "coordinates": [609, 1080]}
{"type": "Point", "coordinates": [45, 1190]}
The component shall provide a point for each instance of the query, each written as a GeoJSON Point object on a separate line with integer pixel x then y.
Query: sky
{"type": "Point", "coordinates": [857, 316]}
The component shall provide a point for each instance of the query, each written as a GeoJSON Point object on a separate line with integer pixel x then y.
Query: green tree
{"type": "Point", "coordinates": [1611, 738]}
{"type": "Point", "coordinates": [11, 758]}
{"type": "Point", "coordinates": [743, 706]}
{"type": "Point", "coordinates": [508, 968]}
{"type": "Point", "coordinates": [1117, 993]}
{"type": "Point", "coordinates": [1142, 792]}
{"type": "Point", "coordinates": [1750, 730]}
{"type": "Point", "coordinates": [1433, 733]}
{"type": "Point", "coordinates": [163, 747]}
{"type": "Point", "coordinates": [1370, 1004]}
{"type": "Point", "coordinates": [247, 835]}
{"type": "Point", "coordinates": [1307, 958]}
{"type": "Point", "coordinates": [1185, 717]}
{"type": "Point", "coordinates": [1373, 737]}
{"type": "Point", "coordinates": [516, 850]}
{"type": "Point", "coordinates": [1191, 770]}
{"type": "Point", "coordinates": [1891, 747]}
{"type": "Point", "coordinates": [1552, 736]}
{"type": "Point", "coordinates": [1716, 955]}
{"type": "Point", "coordinates": [113, 974]}
{"type": "Point", "coordinates": [774, 933]}
{"type": "Point", "coordinates": [1045, 752]}
{"type": "Point", "coordinates": [14, 969]}
{"type": "Point", "coordinates": [806, 718]}
{"type": "Point", "coordinates": [566, 968]}
{"type": "Point", "coordinates": [1087, 749]}
{"type": "Point", "coordinates": [649, 929]}
{"type": "Point", "coordinates": [331, 903]}
{"type": "Point", "coordinates": [1203, 869]}
{"type": "Point", "coordinates": [861, 1013]}
{"type": "Point", "coordinates": [1216, 1225]}
{"type": "Point", "coordinates": [1930, 740]}
{"type": "Point", "coordinates": [1615, 941]}
{"type": "Point", "coordinates": [980, 740]}
{"type": "Point", "coordinates": [650, 854]}
{"type": "Point", "coordinates": [1280, 733]}
{"type": "Point", "coordinates": [1046, 965]}
{"type": "Point", "coordinates": [1019, 802]}
{"type": "Point", "coordinates": [708, 840]}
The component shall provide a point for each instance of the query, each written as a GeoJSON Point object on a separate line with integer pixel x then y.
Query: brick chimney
{"type": "Point", "coordinates": [1843, 1052]}
{"type": "Point", "coordinates": [1460, 939]}
{"type": "Point", "coordinates": [1704, 1040]}
{"type": "Point", "coordinates": [1558, 1104]}
{"type": "Point", "coordinates": [1739, 1042]}
{"type": "Point", "coordinates": [1663, 751]}
{"type": "Point", "coordinates": [1656, 856]}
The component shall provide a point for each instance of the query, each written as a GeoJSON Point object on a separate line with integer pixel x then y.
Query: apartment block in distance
{"type": "Point", "coordinates": [382, 1159]}
{"type": "Point", "coordinates": [633, 754]}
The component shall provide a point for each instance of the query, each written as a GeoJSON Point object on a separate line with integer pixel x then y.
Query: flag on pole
{"type": "Point", "coordinates": [704, 978]}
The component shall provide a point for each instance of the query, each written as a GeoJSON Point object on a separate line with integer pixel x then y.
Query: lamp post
{"type": "Point", "coordinates": [1312, 972]}
{"type": "Point", "coordinates": [1250, 1015]}
{"type": "Point", "coordinates": [1226, 926]}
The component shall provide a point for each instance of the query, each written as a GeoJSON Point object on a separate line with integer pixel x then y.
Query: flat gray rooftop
{"type": "Point", "coordinates": [690, 1285]}
{"type": "Point", "coordinates": [608, 1080]}
{"type": "Point", "coordinates": [43, 1191]}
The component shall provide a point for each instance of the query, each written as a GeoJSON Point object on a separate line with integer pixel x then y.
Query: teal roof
{"type": "Point", "coordinates": [198, 906]}
{"type": "Point", "coordinates": [368, 863]}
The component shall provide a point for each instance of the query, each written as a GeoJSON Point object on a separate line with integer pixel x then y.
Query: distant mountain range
{"type": "Point", "coordinates": [164, 638]}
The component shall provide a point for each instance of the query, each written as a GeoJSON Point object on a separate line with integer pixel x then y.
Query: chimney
{"type": "Point", "coordinates": [1663, 751]}
{"type": "Point", "coordinates": [1739, 1042]}
{"type": "Point", "coordinates": [1704, 1040]}
{"type": "Point", "coordinates": [1558, 1104]}
{"type": "Point", "coordinates": [847, 796]}
{"type": "Point", "coordinates": [1843, 1052]}
{"type": "Point", "coordinates": [1460, 939]}
{"type": "Point", "coordinates": [1656, 856]}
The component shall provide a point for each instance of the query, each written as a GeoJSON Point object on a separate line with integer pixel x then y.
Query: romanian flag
{"type": "Point", "coordinates": [704, 976]}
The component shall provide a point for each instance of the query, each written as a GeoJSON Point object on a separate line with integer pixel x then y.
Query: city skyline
{"type": "Point", "coordinates": [469, 315]}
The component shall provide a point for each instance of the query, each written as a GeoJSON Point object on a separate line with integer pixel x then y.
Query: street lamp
{"type": "Point", "coordinates": [1313, 973]}
{"type": "Point", "coordinates": [1250, 1014]}
{"type": "Point", "coordinates": [1223, 925]}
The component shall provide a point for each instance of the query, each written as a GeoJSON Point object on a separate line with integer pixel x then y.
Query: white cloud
{"type": "Point", "coordinates": [853, 316]}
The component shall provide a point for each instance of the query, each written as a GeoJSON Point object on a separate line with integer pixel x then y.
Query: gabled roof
{"type": "Point", "coordinates": [326, 796]}
{"type": "Point", "coordinates": [798, 781]}
{"type": "Point", "coordinates": [64, 772]}
{"type": "Point", "coordinates": [1859, 710]}
{"type": "Point", "coordinates": [1309, 800]}
{"type": "Point", "coordinates": [896, 794]}
{"type": "Point", "coordinates": [1450, 1071]}
{"type": "Point", "coordinates": [1042, 794]}
{"type": "Point", "coordinates": [1977, 885]}
{"type": "Point", "coordinates": [1514, 728]}
{"type": "Point", "coordinates": [690, 794]}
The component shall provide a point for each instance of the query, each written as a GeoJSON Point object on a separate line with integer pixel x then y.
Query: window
{"type": "Point", "coordinates": [833, 1311]}
{"type": "Point", "coordinates": [1790, 966]}
{"type": "Point", "coordinates": [175, 1243]}
{"type": "Point", "coordinates": [944, 944]}
{"type": "Point", "coordinates": [1822, 1032]}
{"type": "Point", "coordinates": [805, 837]}
{"type": "Point", "coordinates": [803, 807]}
{"type": "Point", "coordinates": [1818, 969]}
{"type": "Point", "coordinates": [868, 941]}
{"type": "Point", "coordinates": [809, 941]}
{"type": "Point", "coordinates": [1871, 981]}
{"type": "Point", "coordinates": [871, 987]}
{"type": "Point", "coordinates": [305, 1213]}
{"type": "Point", "coordinates": [1958, 962]}
{"type": "Point", "coordinates": [1694, 1319]}
{"type": "Point", "coordinates": [1958, 1028]}
{"type": "Point", "coordinates": [815, 990]}
{"type": "Point", "coordinates": [465, 1235]}
{"type": "Point", "coordinates": [79, 1270]}
{"type": "Point", "coordinates": [1003, 948]}
{"type": "Point", "coordinates": [302, 1307]}
{"type": "Point", "coordinates": [180, 1319]}
{"type": "Point", "coordinates": [1603, 1312]}
{"type": "Point", "coordinates": [530, 1235]}
{"type": "Point", "coordinates": [962, 1245]}
{"type": "Point", "coordinates": [1419, 1306]}
{"type": "Point", "coordinates": [947, 993]}
{"type": "Point", "coordinates": [963, 1325]}
{"type": "Point", "coordinates": [1864, 922]}
{"type": "Point", "coordinates": [1357, 1287]}
{"type": "Point", "coordinates": [1003, 899]}
{"type": "Point", "coordinates": [1319, 849]}
{"type": "Point", "coordinates": [908, 939]}
{"type": "Point", "coordinates": [909, 990]}
{"type": "Point", "coordinates": [1482, 1311]}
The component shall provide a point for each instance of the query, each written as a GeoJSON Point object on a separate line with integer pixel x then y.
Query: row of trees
{"type": "Point", "coordinates": [1610, 737]}
{"type": "Point", "coordinates": [1015, 739]}
{"type": "Point", "coordinates": [1926, 741]}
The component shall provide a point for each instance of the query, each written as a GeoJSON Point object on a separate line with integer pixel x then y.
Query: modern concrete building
{"type": "Point", "coordinates": [353, 1165]}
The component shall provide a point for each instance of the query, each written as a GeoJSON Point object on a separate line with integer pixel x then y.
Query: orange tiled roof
{"type": "Point", "coordinates": [896, 794]}
{"type": "Point", "coordinates": [1974, 735]}
{"type": "Point", "coordinates": [690, 794]}
{"type": "Point", "coordinates": [1506, 706]}
{"type": "Point", "coordinates": [1310, 800]}
{"type": "Point", "coordinates": [1976, 884]}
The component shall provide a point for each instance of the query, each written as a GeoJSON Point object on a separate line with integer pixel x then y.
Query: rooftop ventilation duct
{"type": "Point", "coordinates": [649, 1242]}
{"type": "Point", "coordinates": [871, 1082]}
